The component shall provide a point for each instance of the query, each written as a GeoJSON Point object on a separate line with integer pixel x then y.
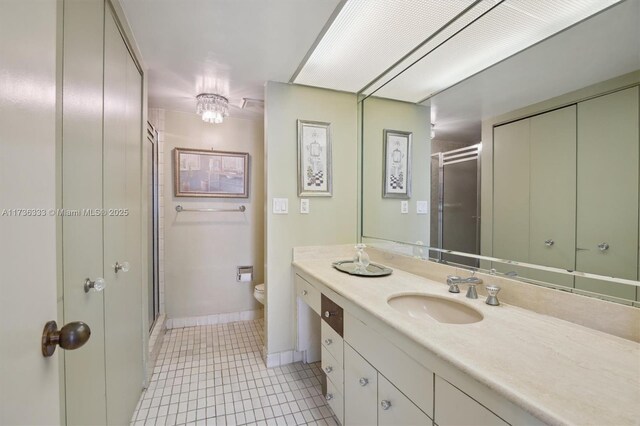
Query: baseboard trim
{"type": "Point", "coordinates": [213, 319]}
{"type": "Point", "coordinates": [282, 358]}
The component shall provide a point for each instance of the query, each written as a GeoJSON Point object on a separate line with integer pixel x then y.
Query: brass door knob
{"type": "Point", "coordinates": [71, 336]}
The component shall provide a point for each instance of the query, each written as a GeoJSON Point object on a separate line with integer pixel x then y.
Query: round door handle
{"type": "Point", "coordinates": [97, 285]}
{"type": "Point", "coordinates": [329, 397]}
{"type": "Point", "coordinates": [328, 342]}
{"type": "Point", "coordinates": [603, 246]}
{"type": "Point", "coordinates": [363, 381]}
{"type": "Point", "coordinates": [304, 292]}
{"type": "Point", "coordinates": [385, 404]}
{"type": "Point", "coordinates": [124, 267]}
{"type": "Point", "coordinates": [328, 369]}
{"type": "Point", "coordinates": [71, 336]}
{"type": "Point", "coordinates": [549, 243]}
{"type": "Point", "coordinates": [328, 314]}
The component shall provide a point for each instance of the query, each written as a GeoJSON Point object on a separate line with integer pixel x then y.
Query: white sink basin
{"type": "Point", "coordinates": [421, 306]}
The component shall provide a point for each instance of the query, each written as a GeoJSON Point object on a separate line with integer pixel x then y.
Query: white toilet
{"type": "Point", "coordinates": [258, 293]}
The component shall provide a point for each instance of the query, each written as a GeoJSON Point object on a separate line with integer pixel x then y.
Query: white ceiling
{"type": "Point", "coordinates": [232, 47]}
{"type": "Point", "coordinates": [229, 47]}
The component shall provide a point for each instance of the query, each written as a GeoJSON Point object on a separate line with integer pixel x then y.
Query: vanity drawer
{"type": "Point", "coordinates": [403, 371]}
{"type": "Point", "coordinates": [454, 407]}
{"type": "Point", "coordinates": [308, 293]}
{"type": "Point", "coordinates": [335, 400]}
{"type": "Point", "coordinates": [332, 342]}
{"type": "Point", "coordinates": [331, 368]}
{"type": "Point", "coordinates": [332, 314]}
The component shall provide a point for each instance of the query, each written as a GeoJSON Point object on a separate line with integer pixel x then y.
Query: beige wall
{"type": "Point", "coordinates": [381, 216]}
{"type": "Point", "coordinates": [332, 220]}
{"type": "Point", "coordinates": [203, 250]}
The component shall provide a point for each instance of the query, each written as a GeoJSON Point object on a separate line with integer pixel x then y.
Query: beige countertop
{"type": "Point", "coordinates": [560, 372]}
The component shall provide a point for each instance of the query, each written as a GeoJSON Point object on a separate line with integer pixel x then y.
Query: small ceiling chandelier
{"type": "Point", "coordinates": [213, 108]}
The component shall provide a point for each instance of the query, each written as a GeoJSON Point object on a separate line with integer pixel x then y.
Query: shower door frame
{"type": "Point", "coordinates": [152, 138]}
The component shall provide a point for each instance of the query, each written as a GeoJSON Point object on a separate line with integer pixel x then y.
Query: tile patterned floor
{"type": "Point", "coordinates": [214, 375]}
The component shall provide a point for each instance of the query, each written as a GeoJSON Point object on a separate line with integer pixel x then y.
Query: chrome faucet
{"type": "Point", "coordinates": [454, 280]}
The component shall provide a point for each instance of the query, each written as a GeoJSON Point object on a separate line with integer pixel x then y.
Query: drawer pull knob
{"type": "Point", "coordinates": [328, 342]}
{"type": "Point", "coordinates": [304, 292]}
{"type": "Point", "coordinates": [364, 381]}
{"type": "Point", "coordinates": [603, 246]}
{"type": "Point", "coordinates": [385, 404]}
{"type": "Point", "coordinates": [329, 397]}
{"type": "Point", "coordinates": [549, 243]}
{"type": "Point", "coordinates": [328, 369]}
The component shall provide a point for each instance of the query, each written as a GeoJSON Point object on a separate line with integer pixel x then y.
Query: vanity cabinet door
{"type": "Point", "coordinates": [395, 409]}
{"type": "Point", "coordinates": [360, 389]}
{"type": "Point", "coordinates": [552, 237]}
{"type": "Point", "coordinates": [454, 407]}
{"type": "Point", "coordinates": [511, 193]}
{"type": "Point", "coordinates": [608, 191]}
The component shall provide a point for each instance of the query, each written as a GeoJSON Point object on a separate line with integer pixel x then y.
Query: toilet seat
{"type": "Point", "coordinates": [258, 293]}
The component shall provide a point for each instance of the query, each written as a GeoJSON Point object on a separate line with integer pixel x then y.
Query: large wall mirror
{"type": "Point", "coordinates": [529, 167]}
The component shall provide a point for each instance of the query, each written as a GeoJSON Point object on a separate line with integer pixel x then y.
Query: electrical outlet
{"type": "Point", "coordinates": [404, 207]}
{"type": "Point", "coordinates": [304, 205]}
{"type": "Point", "coordinates": [280, 205]}
{"type": "Point", "coordinates": [422, 207]}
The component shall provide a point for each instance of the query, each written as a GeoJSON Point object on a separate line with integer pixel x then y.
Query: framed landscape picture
{"type": "Point", "coordinates": [215, 174]}
{"type": "Point", "coordinates": [314, 159]}
{"type": "Point", "coordinates": [397, 164]}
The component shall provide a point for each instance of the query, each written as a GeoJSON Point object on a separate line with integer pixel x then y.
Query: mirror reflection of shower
{"type": "Point", "coordinates": [455, 192]}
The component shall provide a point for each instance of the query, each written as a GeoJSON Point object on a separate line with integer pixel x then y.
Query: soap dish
{"type": "Point", "coordinates": [372, 270]}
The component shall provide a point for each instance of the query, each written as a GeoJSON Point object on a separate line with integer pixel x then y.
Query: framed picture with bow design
{"type": "Point", "coordinates": [397, 164]}
{"type": "Point", "coordinates": [314, 159]}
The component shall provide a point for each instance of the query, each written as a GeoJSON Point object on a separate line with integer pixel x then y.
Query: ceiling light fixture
{"type": "Point", "coordinates": [213, 108]}
{"type": "Point", "coordinates": [431, 45]}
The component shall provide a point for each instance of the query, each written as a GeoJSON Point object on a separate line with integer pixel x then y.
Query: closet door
{"type": "Point", "coordinates": [607, 201]}
{"type": "Point", "coordinates": [82, 189]}
{"type": "Point", "coordinates": [511, 193]}
{"type": "Point", "coordinates": [122, 227]}
{"type": "Point", "coordinates": [553, 194]}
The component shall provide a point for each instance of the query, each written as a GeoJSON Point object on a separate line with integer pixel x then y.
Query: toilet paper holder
{"type": "Point", "coordinates": [244, 274]}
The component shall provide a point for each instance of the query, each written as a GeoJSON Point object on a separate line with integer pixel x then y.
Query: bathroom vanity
{"type": "Point", "coordinates": [512, 366]}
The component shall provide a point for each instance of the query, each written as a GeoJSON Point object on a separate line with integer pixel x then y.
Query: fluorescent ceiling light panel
{"type": "Point", "coordinates": [434, 42]}
{"type": "Point", "coordinates": [369, 36]}
{"type": "Point", "coordinates": [507, 29]}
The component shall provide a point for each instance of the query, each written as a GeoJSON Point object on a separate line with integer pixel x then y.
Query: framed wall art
{"type": "Point", "coordinates": [314, 159]}
{"type": "Point", "coordinates": [215, 174]}
{"type": "Point", "coordinates": [397, 164]}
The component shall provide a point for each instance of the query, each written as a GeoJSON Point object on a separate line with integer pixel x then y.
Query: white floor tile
{"type": "Point", "coordinates": [215, 375]}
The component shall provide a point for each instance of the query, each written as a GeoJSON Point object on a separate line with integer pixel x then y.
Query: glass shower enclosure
{"type": "Point", "coordinates": [455, 190]}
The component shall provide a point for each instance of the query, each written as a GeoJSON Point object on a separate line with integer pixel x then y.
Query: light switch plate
{"type": "Point", "coordinates": [280, 205]}
{"type": "Point", "coordinates": [422, 207]}
{"type": "Point", "coordinates": [404, 207]}
{"type": "Point", "coordinates": [304, 205]}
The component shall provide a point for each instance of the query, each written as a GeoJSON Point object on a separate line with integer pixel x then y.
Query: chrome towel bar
{"type": "Point", "coordinates": [179, 209]}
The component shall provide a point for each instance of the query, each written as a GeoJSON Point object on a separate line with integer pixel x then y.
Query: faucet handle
{"type": "Point", "coordinates": [452, 282]}
{"type": "Point", "coordinates": [492, 298]}
{"type": "Point", "coordinates": [471, 290]}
